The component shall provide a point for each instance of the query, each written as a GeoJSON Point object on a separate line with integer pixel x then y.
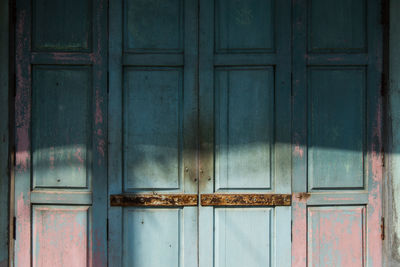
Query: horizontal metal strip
{"type": "Point", "coordinates": [61, 197]}
{"type": "Point", "coordinates": [130, 59]}
{"type": "Point", "coordinates": [57, 58]}
{"type": "Point", "coordinates": [244, 59]}
{"type": "Point", "coordinates": [154, 200]}
{"type": "Point", "coordinates": [337, 59]}
{"type": "Point", "coordinates": [246, 200]}
{"type": "Point", "coordinates": [334, 198]}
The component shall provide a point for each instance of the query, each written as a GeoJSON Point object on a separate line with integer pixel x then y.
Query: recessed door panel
{"type": "Point", "coordinates": [337, 26]}
{"type": "Point", "coordinates": [336, 236]}
{"type": "Point", "coordinates": [157, 230]}
{"type": "Point", "coordinates": [60, 130]}
{"type": "Point", "coordinates": [336, 127]}
{"type": "Point", "coordinates": [254, 19]}
{"type": "Point", "coordinates": [153, 128]}
{"type": "Point", "coordinates": [153, 26]}
{"type": "Point", "coordinates": [244, 121]}
{"type": "Point", "coordinates": [64, 25]}
{"type": "Point", "coordinates": [243, 237]}
{"type": "Point", "coordinates": [60, 236]}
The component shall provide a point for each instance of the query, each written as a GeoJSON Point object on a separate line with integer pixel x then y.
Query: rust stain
{"type": "Point", "coordinates": [246, 200]}
{"type": "Point", "coordinates": [303, 196]}
{"type": "Point", "coordinates": [152, 200]}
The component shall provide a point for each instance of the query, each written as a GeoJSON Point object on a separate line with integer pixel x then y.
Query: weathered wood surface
{"type": "Point", "coordinates": [246, 200]}
{"type": "Point", "coordinates": [154, 200]}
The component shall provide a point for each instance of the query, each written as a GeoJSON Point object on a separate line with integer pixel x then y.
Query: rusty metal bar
{"type": "Point", "coordinates": [246, 199]}
{"type": "Point", "coordinates": [153, 200]}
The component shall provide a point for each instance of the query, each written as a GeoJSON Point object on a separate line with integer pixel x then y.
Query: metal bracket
{"type": "Point", "coordinates": [246, 199]}
{"type": "Point", "coordinates": [153, 200]}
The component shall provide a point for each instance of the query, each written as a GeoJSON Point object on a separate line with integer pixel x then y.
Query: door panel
{"type": "Point", "coordinates": [244, 116]}
{"type": "Point", "coordinates": [337, 159]}
{"type": "Point", "coordinates": [153, 133]}
{"type": "Point", "coordinates": [154, 26]}
{"type": "Point", "coordinates": [153, 128]}
{"type": "Point", "coordinates": [60, 235]}
{"type": "Point", "coordinates": [337, 26]}
{"type": "Point", "coordinates": [243, 236]}
{"type": "Point", "coordinates": [254, 19]}
{"type": "Point", "coordinates": [336, 127]}
{"type": "Point", "coordinates": [336, 236]}
{"type": "Point", "coordinates": [50, 32]}
{"type": "Point", "coordinates": [158, 230]}
{"type": "Point", "coordinates": [244, 132]}
{"type": "Point", "coordinates": [60, 126]}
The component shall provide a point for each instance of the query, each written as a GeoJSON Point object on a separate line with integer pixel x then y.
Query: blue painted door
{"type": "Point", "coordinates": [337, 138]}
{"type": "Point", "coordinates": [172, 62]}
{"type": "Point", "coordinates": [61, 133]}
{"type": "Point", "coordinates": [244, 88]}
{"type": "Point", "coordinates": [153, 133]}
{"type": "Point", "coordinates": [229, 133]}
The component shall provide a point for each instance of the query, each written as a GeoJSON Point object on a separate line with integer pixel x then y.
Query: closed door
{"type": "Point", "coordinates": [200, 133]}
{"type": "Point", "coordinates": [239, 133]}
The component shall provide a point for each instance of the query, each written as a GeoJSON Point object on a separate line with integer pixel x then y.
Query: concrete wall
{"type": "Point", "coordinates": [4, 180]}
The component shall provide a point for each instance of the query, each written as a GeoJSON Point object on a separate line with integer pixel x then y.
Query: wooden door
{"type": "Point", "coordinates": [153, 133]}
{"type": "Point", "coordinates": [337, 138]}
{"type": "Point", "coordinates": [245, 110]}
{"type": "Point", "coordinates": [237, 133]}
{"type": "Point", "coordinates": [61, 133]}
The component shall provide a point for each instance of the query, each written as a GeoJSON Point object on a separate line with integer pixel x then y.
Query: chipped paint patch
{"type": "Point", "coordinates": [60, 236]}
{"type": "Point", "coordinates": [299, 232]}
{"type": "Point", "coordinates": [298, 151]}
{"type": "Point", "coordinates": [22, 250]}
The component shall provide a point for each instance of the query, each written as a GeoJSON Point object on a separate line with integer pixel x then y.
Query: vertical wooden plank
{"type": "Point", "coordinates": [392, 149]}
{"type": "Point", "coordinates": [299, 135]}
{"type": "Point", "coordinates": [206, 131]}
{"type": "Point", "coordinates": [283, 104]}
{"type": "Point", "coordinates": [99, 172]}
{"type": "Point", "coordinates": [374, 134]}
{"type": "Point", "coordinates": [115, 130]}
{"type": "Point", "coordinates": [4, 141]}
{"type": "Point", "coordinates": [22, 139]}
{"type": "Point", "coordinates": [283, 236]}
{"type": "Point", "coordinates": [190, 101]}
{"type": "Point", "coordinates": [190, 130]}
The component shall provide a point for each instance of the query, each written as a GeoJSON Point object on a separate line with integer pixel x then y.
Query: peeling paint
{"type": "Point", "coordinates": [22, 250]}
{"type": "Point", "coordinates": [298, 151]}
{"type": "Point", "coordinates": [375, 197]}
{"type": "Point", "coordinates": [299, 228]}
